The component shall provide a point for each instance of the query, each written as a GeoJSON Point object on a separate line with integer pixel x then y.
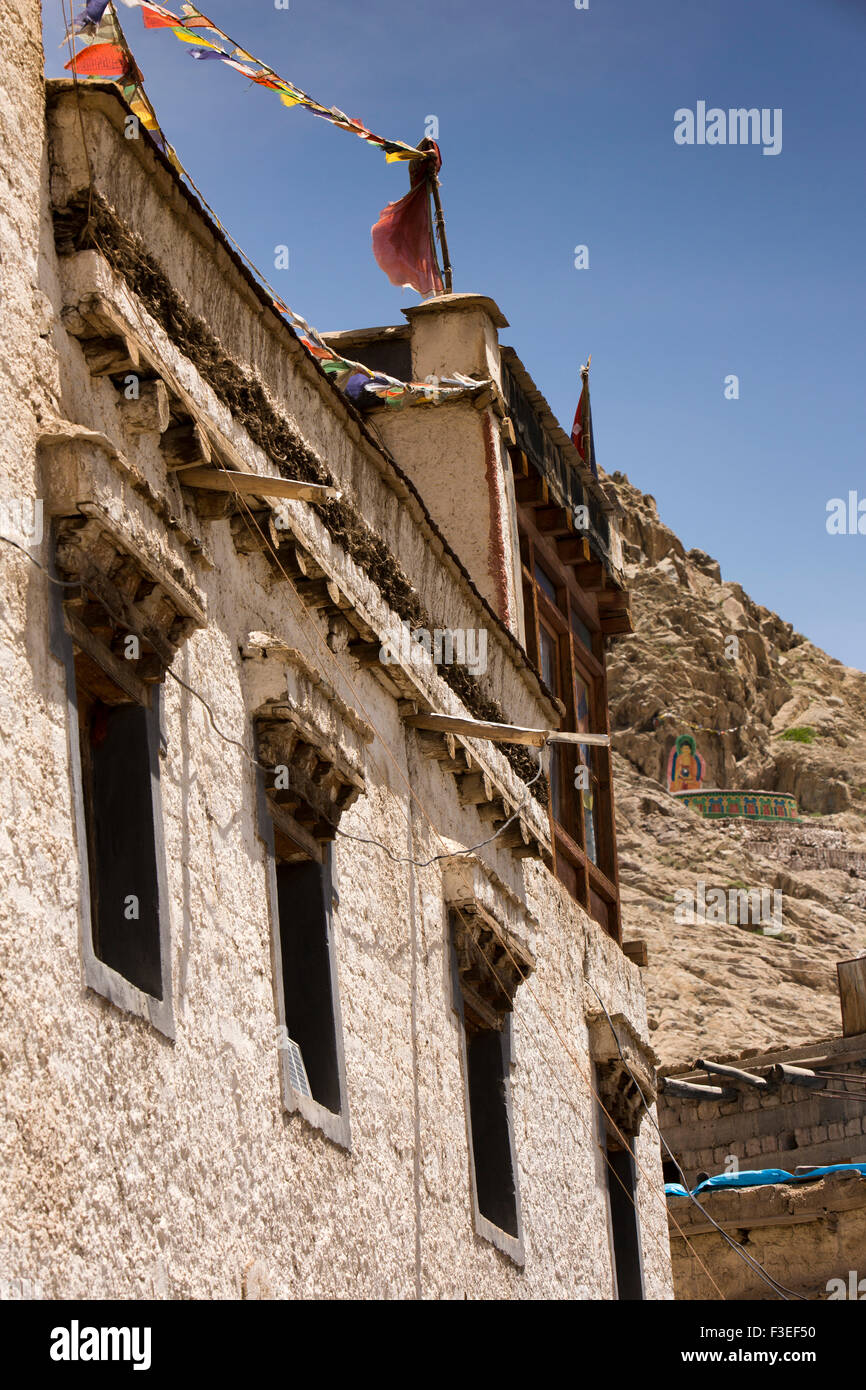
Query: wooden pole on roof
{"type": "Point", "coordinates": [440, 230]}
{"type": "Point", "coordinates": [428, 146]}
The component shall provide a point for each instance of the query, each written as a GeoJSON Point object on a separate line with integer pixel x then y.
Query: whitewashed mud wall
{"type": "Point", "coordinates": [136, 1166]}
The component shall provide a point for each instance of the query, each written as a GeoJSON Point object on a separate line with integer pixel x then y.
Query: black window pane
{"type": "Point", "coordinates": [302, 890]}
{"type": "Point", "coordinates": [623, 1218]}
{"type": "Point", "coordinates": [124, 887]}
{"type": "Point", "coordinates": [491, 1145]}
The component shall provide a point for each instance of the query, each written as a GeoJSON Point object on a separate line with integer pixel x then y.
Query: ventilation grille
{"type": "Point", "coordinates": [297, 1071]}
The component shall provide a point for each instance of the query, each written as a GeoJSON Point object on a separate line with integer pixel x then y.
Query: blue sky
{"type": "Point", "coordinates": [556, 128]}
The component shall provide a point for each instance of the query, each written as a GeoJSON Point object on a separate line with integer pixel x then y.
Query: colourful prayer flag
{"type": "Point", "coordinates": [155, 18]}
{"type": "Point", "coordinates": [403, 236]}
{"type": "Point", "coordinates": [99, 60]}
{"type": "Point", "coordinates": [89, 16]}
{"type": "Point", "coordinates": [187, 36]}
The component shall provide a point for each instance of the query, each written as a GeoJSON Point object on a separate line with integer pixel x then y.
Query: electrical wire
{"type": "Point", "coordinates": [758, 1268]}
{"type": "Point", "coordinates": [253, 523]}
{"type": "Point", "coordinates": [61, 583]}
{"type": "Point", "coordinates": [454, 854]}
{"type": "Point", "coordinates": [264, 767]}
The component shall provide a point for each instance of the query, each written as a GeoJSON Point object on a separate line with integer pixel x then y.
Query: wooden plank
{"type": "Point", "coordinates": [258, 485]}
{"type": "Point", "coordinates": [150, 412]}
{"type": "Point", "coordinates": [574, 550]}
{"type": "Point", "coordinates": [117, 668]}
{"type": "Point", "coordinates": [186, 446]}
{"type": "Point", "coordinates": [498, 733]}
{"type": "Point", "coordinates": [685, 1090]}
{"type": "Point", "coordinates": [617, 624]}
{"type": "Point", "coordinates": [182, 601]}
{"type": "Point", "coordinates": [255, 532]}
{"type": "Point", "coordinates": [475, 788]}
{"type": "Point", "coordinates": [636, 951]}
{"type": "Point", "coordinates": [592, 740]}
{"type": "Point", "coordinates": [610, 599]}
{"type": "Point", "coordinates": [532, 491]}
{"type": "Point", "coordinates": [784, 1074]}
{"type": "Point", "coordinates": [366, 653]}
{"type": "Point", "coordinates": [554, 521]}
{"type": "Point", "coordinates": [746, 1078]}
{"type": "Point", "coordinates": [111, 356]}
{"type": "Point", "coordinates": [590, 577]}
{"type": "Point", "coordinates": [295, 832]}
{"type": "Point", "coordinates": [852, 995]}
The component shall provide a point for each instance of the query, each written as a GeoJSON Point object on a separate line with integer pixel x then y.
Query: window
{"type": "Point", "coordinates": [116, 629]}
{"type": "Point", "coordinates": [114, 755]}
{"type": "Point", "coordinates": [483, 999]}
{"type": "Point", "coordinates": [495, 1187]}
{"type": "Point", "coordinates": [303, 890]}
{"type": "Point", "coordinates": [616, 1141]}
{"type": "Point", "coordinates": [309, 1027]}
{"type": "Point", "coordinates": [118, 806]}
{"type": "Point", "coordinates": [564, 637]}
{"type": "Point", "coordinates": [625, 1230]}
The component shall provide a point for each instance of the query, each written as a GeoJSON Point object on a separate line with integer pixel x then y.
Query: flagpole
{"type": "Point", "coordinates": [584, 375]}
{"type": "Point", "coordinates": [440, 229]}
{"type": "Point", "coordinates": [430, 150]}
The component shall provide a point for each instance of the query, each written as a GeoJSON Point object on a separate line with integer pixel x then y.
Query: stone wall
{"type": "Point", "coordinates": [809, 1237]}
{"type": "Point", "coordinates": [784, 1127]}
{"type": "Point", "coordinates": [137, 1164]}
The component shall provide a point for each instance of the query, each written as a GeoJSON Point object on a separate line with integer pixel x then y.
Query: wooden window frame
{"type": "Point", "coordinates": [595, 886]}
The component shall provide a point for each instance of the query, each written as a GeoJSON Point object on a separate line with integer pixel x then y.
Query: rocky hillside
{"type": "Point", "coordinates": [798, 722]}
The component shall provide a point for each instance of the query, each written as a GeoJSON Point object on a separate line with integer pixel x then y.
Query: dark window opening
{"type": "Point", "coordinates": [118, 771]}
{"type": "Point", "coordinates": [622, 1193]}
{"type": "Point", "coordinates": [303, 897]}
{"type": "Point", "coordinates": [491, 1135]}
{"type": "Point", "coordinates": [670, 1171]}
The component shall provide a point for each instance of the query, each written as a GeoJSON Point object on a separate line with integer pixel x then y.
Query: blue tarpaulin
{"type": "Point", "coordinates": [763, 1177]}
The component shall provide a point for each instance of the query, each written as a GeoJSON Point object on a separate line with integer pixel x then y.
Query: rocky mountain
{"type": "Point", "coordinates": [704, 654]}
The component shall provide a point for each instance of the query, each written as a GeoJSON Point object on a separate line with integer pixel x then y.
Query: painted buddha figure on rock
{"type": "Point", "coordinates": [685, 766]}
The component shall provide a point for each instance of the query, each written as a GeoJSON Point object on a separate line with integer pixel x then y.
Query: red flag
{"type": "Point", "coordinates": [99, 60]}
{"type": "Point", "coordinates": [160, 18]}
{"type": "Point", "coordinates": [403, 236]}
{"type": "Point", "coordinates": [581, 430]}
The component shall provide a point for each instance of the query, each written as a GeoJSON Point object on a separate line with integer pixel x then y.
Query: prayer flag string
{"type": "Point", "coordinates": [108, 57]}
{"type": "Point", "coordinates": [187, 28]}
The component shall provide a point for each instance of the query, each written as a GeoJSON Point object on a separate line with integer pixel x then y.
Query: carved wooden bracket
{"type": "Point", "coordinates": [125, 593]}
{"type": "Point", "coordinates": [308, 777]}
{"type": "Point", "coordinates": [626, 1087]}
{"type": "Point", "coordinates": [492, 965]}
{"type": "Point", "coordinates": [620, 1096]}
